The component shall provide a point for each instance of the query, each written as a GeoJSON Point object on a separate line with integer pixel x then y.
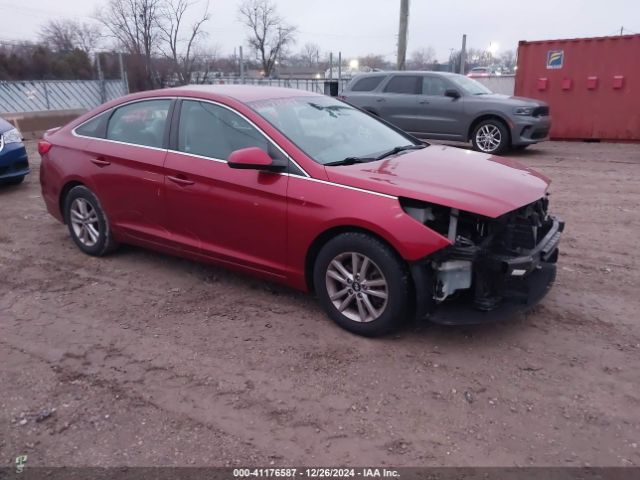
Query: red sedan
{"type": "Point", "coordinates": [306, 190]}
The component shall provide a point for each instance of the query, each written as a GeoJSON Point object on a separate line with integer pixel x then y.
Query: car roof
{"type": "Point", "coordinates": [406, 72]}
{"type": "Point", "coordinates": [242, 93]}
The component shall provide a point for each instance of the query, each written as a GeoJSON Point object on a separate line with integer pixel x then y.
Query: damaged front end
{"type": "Point", "coordinates": [494, 266]}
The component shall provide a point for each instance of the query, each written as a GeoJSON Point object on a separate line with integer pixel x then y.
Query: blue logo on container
{"type": "Point", "coordinates": [555, 59]}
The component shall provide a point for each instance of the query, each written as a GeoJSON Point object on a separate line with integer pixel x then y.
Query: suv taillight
{"type": "Point", "coordinates": [342, 97]}
{"type": "Point", "coordinates": [44, 147]}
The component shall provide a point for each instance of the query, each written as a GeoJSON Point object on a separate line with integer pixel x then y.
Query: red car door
{"type": "Point", "coordinates": [128, 170]}
{"type": "Point", "coordinates": [237, 217]}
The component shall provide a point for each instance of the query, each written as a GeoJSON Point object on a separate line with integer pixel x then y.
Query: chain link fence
{"type": "Point", "coordinates": [52, 95]}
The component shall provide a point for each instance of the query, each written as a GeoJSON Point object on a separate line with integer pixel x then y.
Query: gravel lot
{"type": "Point", "coordinates": [149, 359]}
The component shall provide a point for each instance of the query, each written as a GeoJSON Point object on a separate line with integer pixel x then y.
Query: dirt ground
{"type": "Point", "coordinates": [154, 360]}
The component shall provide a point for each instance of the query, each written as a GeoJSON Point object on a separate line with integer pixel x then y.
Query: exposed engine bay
{"type": "Point", "coordinates": [491, 261]}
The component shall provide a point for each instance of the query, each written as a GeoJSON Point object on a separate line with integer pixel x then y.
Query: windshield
{"type": "Point", "coordinates": [328, 130]}
{"type": "Point", "coordinates": [469, 85]}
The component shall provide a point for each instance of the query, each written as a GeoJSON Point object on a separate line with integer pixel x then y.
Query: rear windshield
{"type": "Point", "coordinates": [366, 84]}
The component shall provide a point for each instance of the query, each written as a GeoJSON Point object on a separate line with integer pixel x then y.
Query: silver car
{"type": "Point", "coordinates": [448, 106]}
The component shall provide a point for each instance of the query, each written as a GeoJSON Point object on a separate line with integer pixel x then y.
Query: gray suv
{"type": "Point", "coordinates": [448, 106]}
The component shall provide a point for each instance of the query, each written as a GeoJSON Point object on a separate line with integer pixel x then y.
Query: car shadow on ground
{"type": "Point", "coordinates": [413, 330]}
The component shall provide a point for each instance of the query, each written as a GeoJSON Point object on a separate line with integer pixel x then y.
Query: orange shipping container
{"type": "Point", "coordinates": [592, 85]}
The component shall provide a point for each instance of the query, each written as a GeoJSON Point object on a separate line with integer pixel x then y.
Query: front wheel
{"type": "Point", "coordinates": [362, 284]}
{"type": "Point", "coordinates": [491, 136]}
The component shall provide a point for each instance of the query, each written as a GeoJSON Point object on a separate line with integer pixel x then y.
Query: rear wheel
{"type": "Point", "coordinates": [362, 284]}
{"type": "Point", "coordinates": [87, 222]}
{"type": "Point", "coordinates": [491, 136]}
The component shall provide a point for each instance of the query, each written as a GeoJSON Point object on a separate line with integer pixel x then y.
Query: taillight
{"type": "Point", "coordinates": [342, 97]}
{"type": "Point", "coordinates": [44, 147]}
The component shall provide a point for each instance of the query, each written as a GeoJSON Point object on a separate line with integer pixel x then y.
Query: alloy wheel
{"type": "Point", "coordinates": [357, 287]}
{"type": "Point", "coordinates": [488, 138]}
{"type": "Point", "coordinates": [84, 221]}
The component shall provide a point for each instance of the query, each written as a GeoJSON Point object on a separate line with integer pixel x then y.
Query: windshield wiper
{"type": "Point", "coordinates": [395, 150]}
{"type": "Point", "coordinates": [350, 161]}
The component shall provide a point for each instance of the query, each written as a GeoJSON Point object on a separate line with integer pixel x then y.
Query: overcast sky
{"type": "Point", "coordinates": [358, 27]}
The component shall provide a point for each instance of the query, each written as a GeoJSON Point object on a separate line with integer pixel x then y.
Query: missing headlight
{"type": "Point", "coordinates": [436, 217]}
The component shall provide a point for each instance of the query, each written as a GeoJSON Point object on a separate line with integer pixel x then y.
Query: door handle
{"type": "Point", "coordinates": [423, 102]}
{"type": "Point", "coordinates": [101, 162]}
{"type": "Point", "coordinates": [181, 180]}
{"type": "Point", "coordinates": [380, 100]}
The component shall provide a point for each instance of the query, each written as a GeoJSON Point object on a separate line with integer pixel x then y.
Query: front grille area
{"type": "Point", "coordinates": [540, 112]}
{"type": "Point", "coordinates": [521, 230]}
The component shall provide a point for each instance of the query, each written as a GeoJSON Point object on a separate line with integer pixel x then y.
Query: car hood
{"type": "Point", "coordinates": [511, 100]}
{"type": "Point", "coordinates": [453, 177]}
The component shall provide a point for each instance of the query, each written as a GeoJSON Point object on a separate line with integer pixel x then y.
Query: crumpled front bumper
{"type": "Point", "coordinates": [517, 283]}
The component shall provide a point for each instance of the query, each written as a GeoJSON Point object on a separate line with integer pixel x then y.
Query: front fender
{"type": "Point", "coordinates": [316, 207]}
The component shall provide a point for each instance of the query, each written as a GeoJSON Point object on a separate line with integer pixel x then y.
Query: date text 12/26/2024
{"type": "Point", "coordinates": [315, 472]}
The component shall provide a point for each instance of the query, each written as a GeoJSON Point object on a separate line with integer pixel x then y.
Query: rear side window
{"type": "Point", "coordinates": [140, 123]}
{"type": "Point", "coordinates": [213, 131]}
{"type": "Point", "coordinates": [367, 84]}
{"type": "Point", "coordinates": [96, 127]}
{"type": "Point", "coordinates": [404, 84]}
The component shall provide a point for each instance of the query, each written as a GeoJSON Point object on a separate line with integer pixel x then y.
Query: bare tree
{"type": "Point", "coordinates": [134, 24]}
{"type": "Point", "coordinates": [269, 35]}
{"type": "Point", "coordinates": [205, 63]}
{"type": "Point", "coordinates": [508, 60]}
{"type": "Point", "coordinates": [59, 35]}
{"type": "Point", "coordinates": [310, 54]}
{"type": "Point", "coordinates": [66, 35]}
{"type": "Point", "coordinates": [374, 61]}
{"type": "Point", "coordinates": [176, 47]}
{"type": "Point", "coordinates": [88, 37]}
{"type": "Point", "coordinates": [422, 58]}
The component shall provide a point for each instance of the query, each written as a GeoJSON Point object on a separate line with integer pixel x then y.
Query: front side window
{"type": "Point", "coordinates": [404, 84]}
{"type": "Point", "coordinates": [433, 86]}
{"type": "Point", "coordinates": [140, 123]}
{"type": "Point", "coordinates": [329, 130]}
{"type": "Point", "coordinates": [367, 84]}
{"type": "Point", "coordinates": [214, 131]}
{"type": "Point", "coordinates": [469, 85]}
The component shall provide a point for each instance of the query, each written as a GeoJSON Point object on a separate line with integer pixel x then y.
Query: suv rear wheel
{"type": "Point", "coordinates": [491, 136]}
{"type": "Point", "coordinates": [362, 284]}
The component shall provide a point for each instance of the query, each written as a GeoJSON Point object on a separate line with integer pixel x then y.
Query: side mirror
{"type": "Point", "coordinates": [452, 93]}
{"type": "Point", "coordinates": [253, 158]}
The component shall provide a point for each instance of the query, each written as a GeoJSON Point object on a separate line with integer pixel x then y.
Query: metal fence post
{"type": "Point", "coordinates": [100, 79]}
{"type": "Point", "coordinates": [46, 95]}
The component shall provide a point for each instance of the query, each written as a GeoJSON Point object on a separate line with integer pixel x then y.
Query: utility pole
{"type": "Point", "coordinates": [402, 34]}
{"type": "Point", "coordinates": [241, 65]}
{"type": "Point", "coordinates": [123, 73]}
{"type": "Point", "coordinates": [621, 31]}
{"type": "Point", "coordinates": [463, 54]}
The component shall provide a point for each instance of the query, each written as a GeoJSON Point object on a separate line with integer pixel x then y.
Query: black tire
{"type": "Point", "coordinates": [382, 260]}
{"type": "Point", "coordinates": [14, 180]}
{"type": "Point", "coordinates": [494, 126]}
{"type": "Point", "coordinates": [104, 242]}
